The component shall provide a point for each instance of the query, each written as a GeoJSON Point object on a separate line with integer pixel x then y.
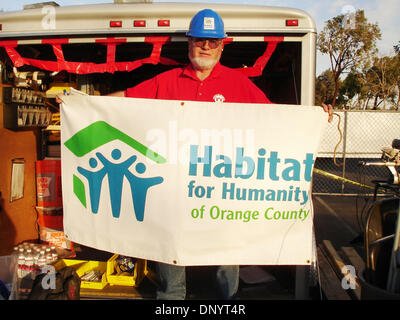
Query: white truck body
{"type": "Point", "coordinates": [288, 77]}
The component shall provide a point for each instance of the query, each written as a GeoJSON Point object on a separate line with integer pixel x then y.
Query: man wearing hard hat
{"type": "Point", "coordinates": [204, 79]}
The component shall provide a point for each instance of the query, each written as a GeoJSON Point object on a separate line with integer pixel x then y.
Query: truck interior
{"type": "Point", "coordinates": [279, 78]}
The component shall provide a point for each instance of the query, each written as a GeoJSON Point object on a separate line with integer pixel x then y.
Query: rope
{"type": "Point", "coordinates": [337, 145]}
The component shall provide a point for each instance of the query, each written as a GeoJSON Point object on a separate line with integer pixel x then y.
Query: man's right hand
{"type": "Point", "coordinates": [113, 94]}
{"type": "Point", "coordinates": [59, 98]}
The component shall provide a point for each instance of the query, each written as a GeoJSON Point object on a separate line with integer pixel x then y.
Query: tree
{"type": "Point", "coordinates": [373, 87]}
{"type": "Point", "coordinates": [324, 88]}
{"type": "Point", "coordinates": [397, 50]}
{"type": "Point", "coordinates": [349, 46]}
{"type": "Point", "coordinates": [352, 92]}
{"type": "Point", "coordinates": [383, 77]}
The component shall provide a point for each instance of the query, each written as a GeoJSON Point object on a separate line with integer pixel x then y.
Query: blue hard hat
{"type": "Point", "coordinates": [206, 24]}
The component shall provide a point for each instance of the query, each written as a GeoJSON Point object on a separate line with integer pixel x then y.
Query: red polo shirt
{"type": "Point", "coordinates": [223, 84]}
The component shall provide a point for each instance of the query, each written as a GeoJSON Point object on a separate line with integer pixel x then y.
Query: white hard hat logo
{"type": "Point", "coordinates": [209, 23]}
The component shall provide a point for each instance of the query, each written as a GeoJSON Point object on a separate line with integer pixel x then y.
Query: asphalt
{"type": "Point", "coordinates": [341, 219]}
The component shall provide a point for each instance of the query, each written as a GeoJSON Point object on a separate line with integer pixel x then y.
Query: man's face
{"type": "Point", "coordinates": [204, 53]}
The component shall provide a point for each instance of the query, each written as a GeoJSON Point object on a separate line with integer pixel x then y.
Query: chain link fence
{"type": "Point", "coordinates": [351, 138]}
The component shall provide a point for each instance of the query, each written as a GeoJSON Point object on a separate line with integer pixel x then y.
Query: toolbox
{"type": "Point", "coordinates": [118, 277]}
{"type": "Point", "coordinates": [82, 268]}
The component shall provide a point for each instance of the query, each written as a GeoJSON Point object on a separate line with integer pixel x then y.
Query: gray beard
{"type": "Point", "coordinates": [202, 63]}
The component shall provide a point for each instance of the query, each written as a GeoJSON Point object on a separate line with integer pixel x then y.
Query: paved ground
{"type": "Point", "coordinates": [337, 219]}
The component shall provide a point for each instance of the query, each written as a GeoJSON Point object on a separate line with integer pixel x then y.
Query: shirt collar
{"type": "Point", "coordinates": [189, 71]}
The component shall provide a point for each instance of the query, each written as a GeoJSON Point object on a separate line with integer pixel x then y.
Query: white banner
{"type": "Point", "coordinates": [190, 183]}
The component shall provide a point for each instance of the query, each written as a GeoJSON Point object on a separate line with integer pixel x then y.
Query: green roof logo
{"type": "Point", "coordinates": [94, 136]}
{"type": "Point", "coordinates": [100, 133]}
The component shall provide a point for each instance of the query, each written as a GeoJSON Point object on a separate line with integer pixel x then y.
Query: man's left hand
{"type": "Point", "coordinates": [328, 108]}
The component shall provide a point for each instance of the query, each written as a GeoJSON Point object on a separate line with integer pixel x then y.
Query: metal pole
{"type": "Point", "coordinates": [301, 286]}
{"type": "Point", "coordinates": [344, 148]}
{"type": "Point", "coordinates": [394, 267]}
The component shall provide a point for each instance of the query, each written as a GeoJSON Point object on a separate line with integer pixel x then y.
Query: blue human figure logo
{"type": "Point", "coordinates": [139, 187]}
{"type": "Point", "coordinates": [95, 180]}
{"type": "Point", "coordinates": [116, 173]}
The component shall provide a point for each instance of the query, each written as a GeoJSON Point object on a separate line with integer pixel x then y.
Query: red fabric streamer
{"type": "Point", "coordinates": [258, 67]}
{"type": "Point", "coordinates": [112, 66]}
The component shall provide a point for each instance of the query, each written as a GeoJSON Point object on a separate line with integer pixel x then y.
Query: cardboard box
{"type": "Point", "coordinates": [55, 237]}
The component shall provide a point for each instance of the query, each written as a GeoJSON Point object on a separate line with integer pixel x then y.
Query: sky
{"type": "Point", "coordinates": [383, 12]}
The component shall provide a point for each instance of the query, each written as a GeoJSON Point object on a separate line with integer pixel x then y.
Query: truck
{"type": "Point", "coordinates": [102, 48]}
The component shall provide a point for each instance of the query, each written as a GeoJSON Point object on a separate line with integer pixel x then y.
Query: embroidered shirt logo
{"type": "Point", "coordinates": [219, 98]}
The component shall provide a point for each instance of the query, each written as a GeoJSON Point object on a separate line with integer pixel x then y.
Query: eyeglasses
{"type": "Point", "coordinates": [212, 43]}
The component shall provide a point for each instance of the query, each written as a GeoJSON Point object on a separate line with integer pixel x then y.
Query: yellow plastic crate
{"type": "Point", "coordinates": [82, 267]}
{"type": "Point", "coordinates": [139, 272]}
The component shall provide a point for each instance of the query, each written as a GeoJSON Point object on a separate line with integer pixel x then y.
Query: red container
{"type": "Point", "coordinates": [48, 183]}
{"type": "Point", "coordinates": [50, 217]}
{"type": "Point", "coordinates": [54, 222]}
